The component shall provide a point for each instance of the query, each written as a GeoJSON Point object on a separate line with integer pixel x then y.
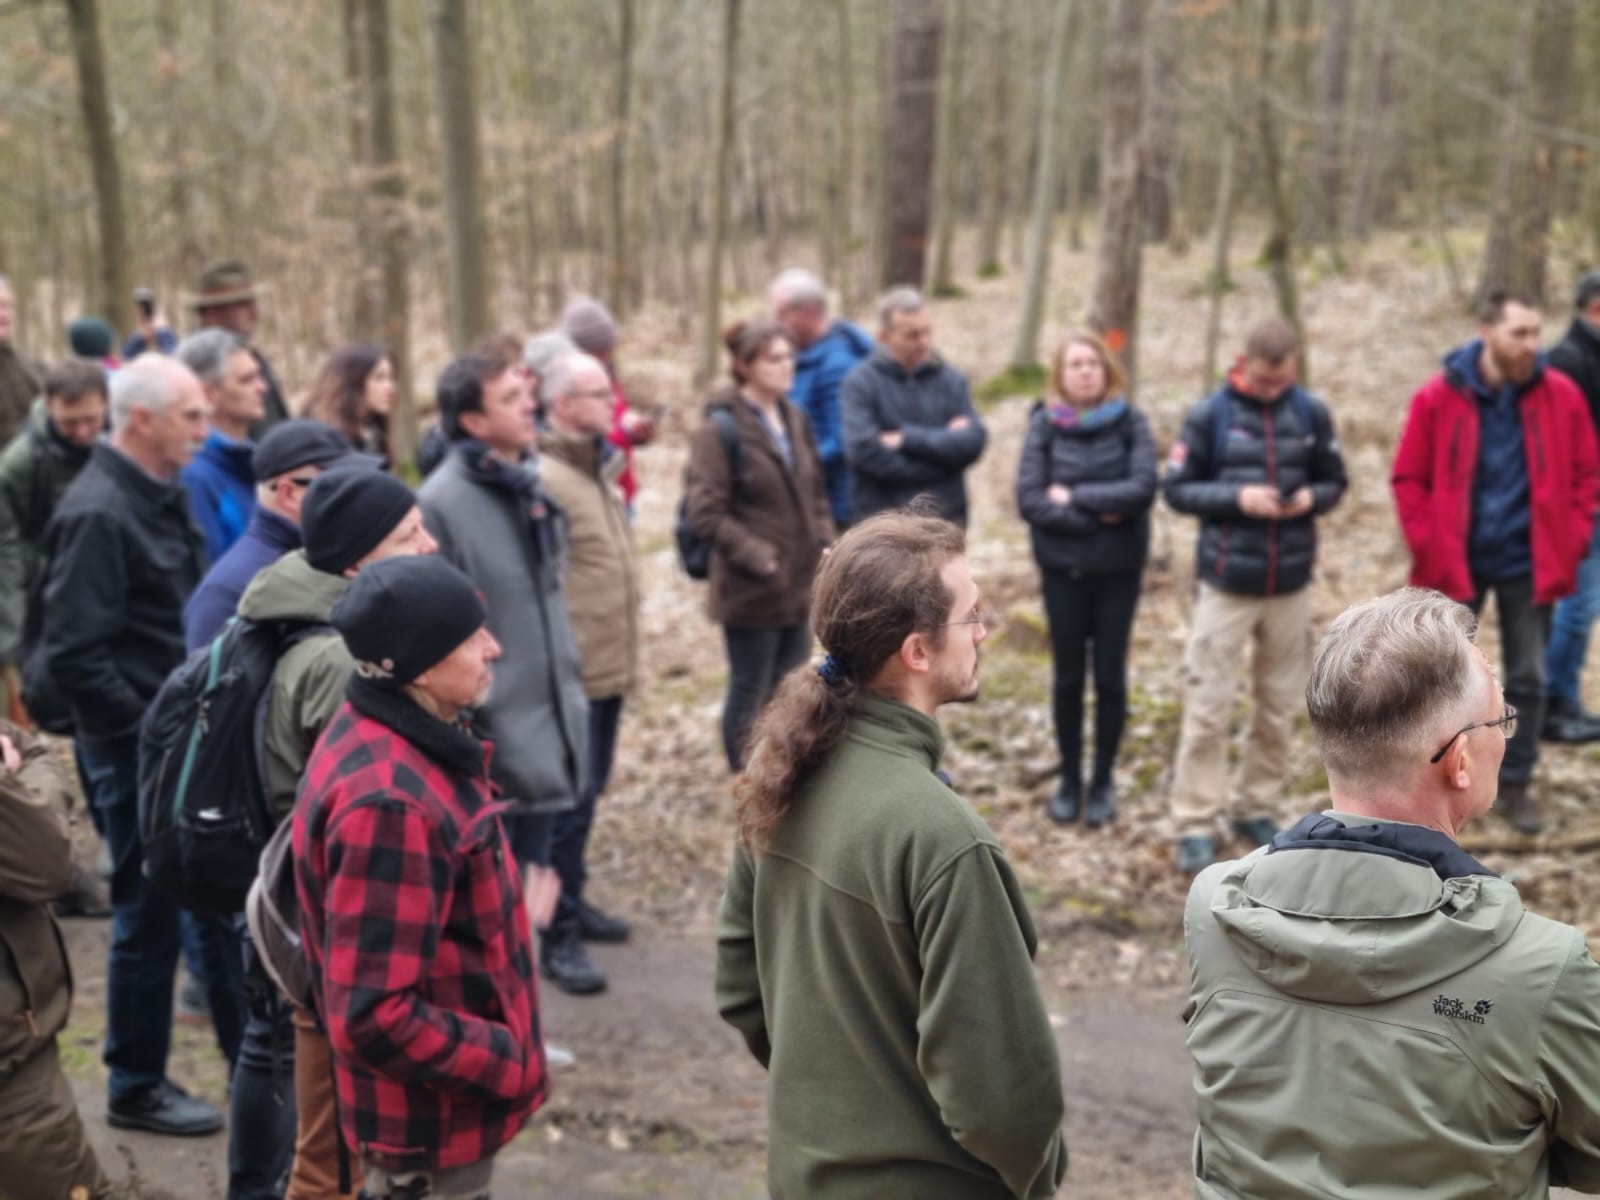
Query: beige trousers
{"type": "Point", "coordinates": [1276, 633]}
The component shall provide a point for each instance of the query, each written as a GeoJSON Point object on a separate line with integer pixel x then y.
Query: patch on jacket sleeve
{"type": "Point", "coordinates": [1179, 455]}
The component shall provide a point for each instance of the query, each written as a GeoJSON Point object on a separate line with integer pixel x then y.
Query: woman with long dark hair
{"type": "Point", "coordinates": [1085, 485]}
{"type": "Point", "coordinates": [354, 392]}
{"type": "Point", "coordinates": [756, 492]}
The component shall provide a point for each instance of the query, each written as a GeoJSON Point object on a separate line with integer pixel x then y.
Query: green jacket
{"type": "Point", "coordinates": [877, 959]}
{"type": "Point", "coordinates": [35, 472]}
{"type": "Point", "coordinates": [308, 685]}
{"type": "Point", "coordinates": [1360, 1026]}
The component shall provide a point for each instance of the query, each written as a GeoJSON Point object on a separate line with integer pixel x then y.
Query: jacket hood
{"type": "Point", "coordinates": [291, 589]}
{"type": "Point", "coordinates": [1347, 910]}
{"type": "Point", "coordinates": [1461, 367]}
{"type": "Point", "coordinates": [839, 335]}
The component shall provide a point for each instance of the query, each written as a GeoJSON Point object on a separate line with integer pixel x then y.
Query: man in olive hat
{"type": "Point", "coordinates": [227, 299]}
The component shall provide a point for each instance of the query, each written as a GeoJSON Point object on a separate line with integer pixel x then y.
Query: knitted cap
{"type": "Point", "coordinates": [590, 325]}
{"type": "Point", "coordinates": [90, 337]}
{"type": "Point", "coordinates": [347, 512]}
{"type": "Point", "coordinates": [402, 615]}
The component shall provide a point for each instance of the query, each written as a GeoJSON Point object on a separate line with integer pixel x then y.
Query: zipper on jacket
{"type": "Point", "coordinates": [1270, 420]}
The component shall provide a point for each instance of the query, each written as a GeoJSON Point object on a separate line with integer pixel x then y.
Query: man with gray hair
{"type": "Point", "coordinates": [1371, 1010]}
{"type": "Point", "coordinates": [123, 557]}
{"type": "Point", "coordinates": [221, 480]}
{"type": "Point", "coordinates": [825, 352]}
{"type": "Point", "coordinates": [909, 425]}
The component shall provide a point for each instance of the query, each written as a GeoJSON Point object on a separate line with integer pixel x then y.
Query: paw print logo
{"type": "Point", "coordinates": [1482, 1007]}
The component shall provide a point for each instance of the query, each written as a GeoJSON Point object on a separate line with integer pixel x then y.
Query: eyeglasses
{"type": "Point", "coordinates": [302, 482]}
{"type": "Point", "coordinates": [978, 616]}
{"type": "Point", "coordinates": [1507, 721]}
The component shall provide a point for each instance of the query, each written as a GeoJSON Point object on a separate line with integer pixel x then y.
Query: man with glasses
{"type": "Point", "coordinates": [1371, 1010]}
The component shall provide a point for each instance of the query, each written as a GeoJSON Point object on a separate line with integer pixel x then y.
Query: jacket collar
{"type": "Point", "coordinates": [134, 479]}
{"type": "Point", "coordinates": [584, 453]}
{"type": "Point", "coordinates": [519, 479]}
{"type": "Point", "coordinates": [282, 534]}
{"type": "Point", "coordinates": [1413, 844]}
{"type": "Point", "coordinates": [231, 456]}
{"type": "Point", "coordinates": [453, 747]}
{"type": "Point", "coordinates": [892, 367]}
{"type": "Point", "coordinates": [898, 726]}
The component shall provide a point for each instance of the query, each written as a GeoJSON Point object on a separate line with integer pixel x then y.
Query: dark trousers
{"type": "Point", "coordinates": [214, 956]}
{"type": "Point", "coordinates": [757, 660]}
{"type": "Point", "coordinates": [261, 1116]}
{"type": "Point", "coordinates": [1090, 610]}
{"type": "Point", "coordinates": [1524, 629]}
{"type": "Point", "coordinates": [570, 838]}
{"type": "Point", "coordinates": [530, 835]}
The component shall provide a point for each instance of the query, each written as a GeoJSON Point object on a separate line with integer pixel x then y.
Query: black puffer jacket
{"type": "Point", "coordinates": [1110, 470]}
{"type": "Point", "coordinates": [1578, 356]}
{"type": "Point", "coordinates": [1254, 556]}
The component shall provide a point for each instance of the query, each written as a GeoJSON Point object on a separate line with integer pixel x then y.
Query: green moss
{"type": "Point", "coordinates": [1015, 380]}
{"type": "Point", "coordinates": [991, 270]}
{"type": "Point", "coordinates": [949, 291]}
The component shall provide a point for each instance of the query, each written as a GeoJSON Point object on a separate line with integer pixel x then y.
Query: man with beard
{"type": "Point", "coordinates": [873, 946]}
{"type": "Point", "coordinates": [1495, 485]}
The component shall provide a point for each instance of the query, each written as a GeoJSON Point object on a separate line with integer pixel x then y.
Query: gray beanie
{"type": "Point", "coordinates": [590, 325]}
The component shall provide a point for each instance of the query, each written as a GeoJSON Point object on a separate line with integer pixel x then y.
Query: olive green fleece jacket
{"type": "Point", "coordinates": [308, 683]}
{"type": "Point", "coordinates": [877, 958]}
{"type": "Point", "coordinates": [1360, 1026]}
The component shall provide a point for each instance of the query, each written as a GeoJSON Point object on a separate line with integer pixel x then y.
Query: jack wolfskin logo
{"type": "Point", "coordinates": [1444, 1006]}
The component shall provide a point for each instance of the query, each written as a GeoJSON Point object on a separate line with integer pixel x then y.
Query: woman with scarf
{"type": "Point", "coordinates": [756, 492]}
{"type": "Point", "coordinates": [1085, 485]}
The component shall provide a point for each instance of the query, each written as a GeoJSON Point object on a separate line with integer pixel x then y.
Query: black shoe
{"type": "Point", "coordinates": [1568, 721]}
{"type": "Point", "coordinates": [165, 1108]}
{"type": "Point", "coordinates": [597, 926]}
{"type": "Point", "coordinates": [1102, 806]}
{"type": "Point", "coordinates": [1518, 807]}
{"type": "Point", "coordinates": [1068, 799]}
{"type": "Point", "coordinates": [565, 963]}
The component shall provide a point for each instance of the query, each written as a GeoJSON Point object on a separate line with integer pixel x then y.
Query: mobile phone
{"type": "Point", "coordinates": [145, 301]}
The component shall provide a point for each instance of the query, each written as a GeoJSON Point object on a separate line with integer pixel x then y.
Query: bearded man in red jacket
{"type": "Point", "coordinates": [1495, 483]}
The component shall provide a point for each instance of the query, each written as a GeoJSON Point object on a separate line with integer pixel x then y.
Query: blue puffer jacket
{"type": "Point", "coordinates": [222, 491]}
{"type": "Point", "coordinates": [819, 369]}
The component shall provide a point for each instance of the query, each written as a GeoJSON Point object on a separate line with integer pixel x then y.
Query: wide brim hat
{"type": "Point", "coordinates": [222, 283]}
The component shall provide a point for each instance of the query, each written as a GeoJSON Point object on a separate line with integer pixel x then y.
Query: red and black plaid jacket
{"type": "Point", "coordinates": [414, 925]}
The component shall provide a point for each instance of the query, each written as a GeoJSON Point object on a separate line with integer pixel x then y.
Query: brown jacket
{"type": "Point", "coordinates": [770, 511]}
{"type": "Point", "coordinates": [602, 588]}
{"type": "Point", "coordinates": [35, 868]}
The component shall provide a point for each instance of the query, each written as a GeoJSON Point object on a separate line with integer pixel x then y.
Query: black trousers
{"type": "Point", "coordinates": [1090, 611]}
{"type": "Point", "coordinates": [569, 840]}
{"type": "Point", "coordinates": [757, 660]}
{"type": "Point", "coordinates": [1524, 630]}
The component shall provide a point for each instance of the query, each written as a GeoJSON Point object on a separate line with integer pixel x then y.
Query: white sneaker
{"type": "Point", "coordinates": [557, 1057]}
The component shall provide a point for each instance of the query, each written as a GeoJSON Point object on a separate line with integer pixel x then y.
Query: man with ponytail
{"type": "Point", "coordinates": [873, 947]}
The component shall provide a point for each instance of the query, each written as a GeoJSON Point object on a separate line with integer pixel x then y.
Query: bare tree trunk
{"type": "Point", "coordinates": [386, 178]}
{"type": "Point", "coordinates": [1219, 279]}
{"type": "Point", "coordinates": [1278, 253]}
{"type": "Point", "coordinates": [363, 303]}
{"type": "Point", "coordinates": [94, 96]}
{"type": "Point", "coordinates": [992, 200]}
{"type": "Point", "coordinates": [458, 133]}
{"type": "Point", "coordinates": [711, 323]}
{"type": "Point", "coordinates": [185, 235]}
{"type": "Point", "coordinates": [619, 281]}
{"type": "Point", "coordinates": [949, 148]}
{"type": "Point", "coordinates": [909, 138]}
{"type": "Point", "coordinates": [1499, 249]}
{"type": "Point", "coordinates": [841, 274]}
{"type": "Point", "coordinates": [1333, 70]}
{"type": "Point", "coordinates": [1114, 312]}
{"type": "Point", "coordinates": [1046, 186]}
{"type": "Point", "coordinates": [1159, 136]}
{"type": "Point", "coordinates": [1372, 162]}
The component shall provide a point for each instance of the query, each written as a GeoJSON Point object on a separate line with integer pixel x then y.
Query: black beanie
{"type": "Point", "coordinates": [402, 615]}
{"type": "Point", "coordinates": [347, 512]}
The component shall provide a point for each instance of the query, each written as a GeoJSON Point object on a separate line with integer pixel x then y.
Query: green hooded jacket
{"type": "Point", "coordinates": [877, 958]}
{"type": "Point", "coordinates": [308, 684]}
{"type": "Point", "coordinates": [1361, 1026]}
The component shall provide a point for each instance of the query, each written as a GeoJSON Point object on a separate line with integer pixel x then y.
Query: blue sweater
{"type": "Point", "coordinates": [1499, 545]}
{"type": "Point", "coordinates": [819, 369]}
{"type": "Point", "coordinates": [268, 539]}
{"type": "Point", "coordinates": [222, 491]}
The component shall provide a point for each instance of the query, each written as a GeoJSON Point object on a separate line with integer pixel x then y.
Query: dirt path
{"type": "Point", "coordinates": [664, 1102]}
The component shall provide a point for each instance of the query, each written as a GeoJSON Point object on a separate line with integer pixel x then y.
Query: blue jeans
{"type": "Point", "coordinates": [214, 957]}
{"type": "Point", "coordinates": [570, 840]}
{"type": "Point", "coordinates": [261, 1120]}
{"type": "Point", "coordinates": [144, 930]}
{"type": "Point", "coordinates": [1569, 628]}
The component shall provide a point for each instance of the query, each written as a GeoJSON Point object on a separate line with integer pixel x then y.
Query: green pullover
{"type": "Point", "coordinates": [877, 958]}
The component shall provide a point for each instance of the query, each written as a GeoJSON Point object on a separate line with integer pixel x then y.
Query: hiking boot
{"type": "Point", "coordinates": [565, 963]}
{"type": "Point", "coordinates": [167, 1109]}
{"type": "Point", "coordinates": [597, 926]}
{"type": "Point", "coordinates": [1102, 806]}
{"type": "Point", "coordinates": [1518, 808]}
{"type": "Point", "coordinates": [1195, 854]}
{"type": "Point", "coordinates": [193, 1006]}
{"type": "Point", "coordinates": [1258, 831]}
{"type": "Point", "coordinates": [1568, 721]}
{"type": "Point", "coordinates": [87, 896]}
{"type": "Point", "coordinates": [1068, 799]}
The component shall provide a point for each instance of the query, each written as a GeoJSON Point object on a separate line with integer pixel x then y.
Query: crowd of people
{"type": "Point", "coordinates": [450, 667]}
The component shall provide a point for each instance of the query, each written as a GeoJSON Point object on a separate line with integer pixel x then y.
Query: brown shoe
{"type": "Point", "coordinates": [1518, 807]}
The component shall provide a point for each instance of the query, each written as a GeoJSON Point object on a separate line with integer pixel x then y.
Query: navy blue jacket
{"type": "Point", "coordinates": [268, 538]}
{"type": "Point", "coordinates": [222, 491]}
{"type": "Point", "coordinates": [1500, 544]}
{"type": "Point", "coordinates": [819, 371]}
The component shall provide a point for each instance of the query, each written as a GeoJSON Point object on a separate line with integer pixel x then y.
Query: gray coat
{"type": "Point", "coordinates": [536, 715]}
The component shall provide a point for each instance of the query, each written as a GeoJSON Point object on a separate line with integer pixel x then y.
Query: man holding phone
{"type": "Point", "coordinates": [153, 332]}
{"type": "Point", "coordinates": [1258, 463]}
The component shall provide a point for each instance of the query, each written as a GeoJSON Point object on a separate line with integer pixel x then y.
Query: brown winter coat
{"type": "Point", "coordinates": [35, 868]}
{"type": "Point", "coordinates": [602, 585]}
{"type": "Point", "coordinates": [768, 511]}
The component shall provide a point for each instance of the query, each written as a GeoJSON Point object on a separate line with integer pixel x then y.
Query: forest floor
{"type": "Point", "coordinates": [663, 1101]}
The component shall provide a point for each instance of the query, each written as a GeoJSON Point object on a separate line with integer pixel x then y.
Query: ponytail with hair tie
{"type": "Point", "coordinates": [832, 673]}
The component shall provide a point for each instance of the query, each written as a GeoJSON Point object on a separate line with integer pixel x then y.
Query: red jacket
{"type": "Point", "coordinates": [414, 926]}
{"type": "Point", "coordinates": [1433, 480]}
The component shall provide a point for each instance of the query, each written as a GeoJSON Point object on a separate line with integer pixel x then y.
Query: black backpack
{"type": "Point", "coordinates": [203, 810]}
{"type": "Point", "coordinates": [694, 551]}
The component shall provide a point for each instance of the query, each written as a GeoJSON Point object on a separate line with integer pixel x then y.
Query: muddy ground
{"type": "Point", "coordinates": [663, 1101]}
